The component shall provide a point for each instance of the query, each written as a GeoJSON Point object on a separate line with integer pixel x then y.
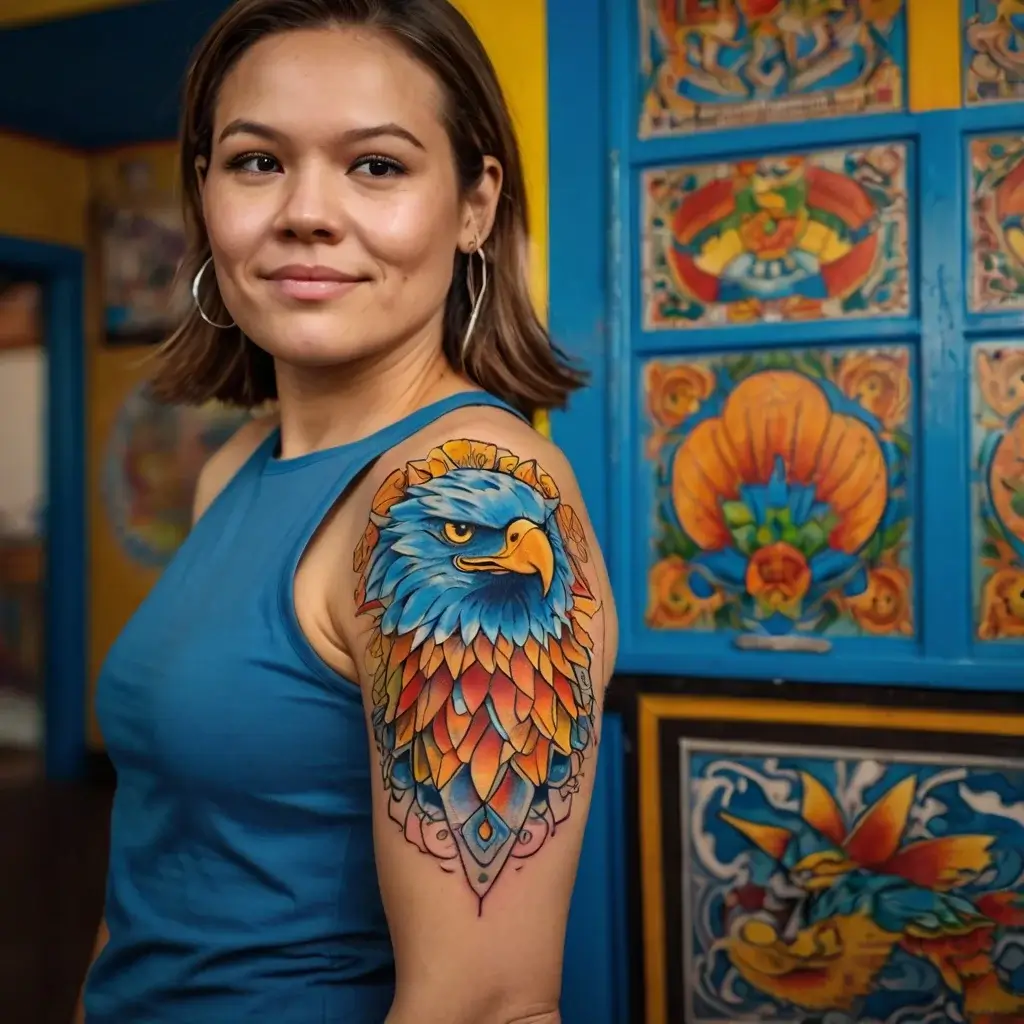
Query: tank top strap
{"type": "Point", "coordinates": [358, 455]}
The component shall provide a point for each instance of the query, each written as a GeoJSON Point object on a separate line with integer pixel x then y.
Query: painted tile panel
{"type": "Point", "coordinates": [840, 885]}
{"type": "Point", "coordinates": [993, 50]}
{"type": "Point", "coordinates": [996, 230]}
{"type": "Point", "coordinates": [777, 238]}
{"type": "Point", "coordinates": [727, 63]}
{"type": "Point", "coordinates": [998, 446]}
{"type": "Point", "coordinates": [782, 484]}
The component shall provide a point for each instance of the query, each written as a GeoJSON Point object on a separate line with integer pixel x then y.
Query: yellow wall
{"type": "Point", "coordinates": [43, 191]}
{"type": "Point", "coordinates": [518, 47]}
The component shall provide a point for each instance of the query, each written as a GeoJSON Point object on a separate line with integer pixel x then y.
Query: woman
{"type": "Point", "coordinates": [367, 691]}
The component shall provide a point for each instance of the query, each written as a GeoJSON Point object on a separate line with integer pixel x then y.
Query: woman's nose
{"type": "Point", "coordinates": [313, 208]}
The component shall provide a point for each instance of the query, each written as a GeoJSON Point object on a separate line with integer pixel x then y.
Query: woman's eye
{"type": "Point", "coordinates": [256, 163]}
{"type": "Point", "coordinates": [458, 533]}
{"type": "Point", "coordinates": [378, 167]}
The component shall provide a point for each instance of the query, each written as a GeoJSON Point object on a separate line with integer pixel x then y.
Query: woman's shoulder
{"type": "Point", "coordinates": [496, 442]}
{"type": "Point", "coordinates": [484, 427]}
{"type": "Point", "coordinates": [221, 467]}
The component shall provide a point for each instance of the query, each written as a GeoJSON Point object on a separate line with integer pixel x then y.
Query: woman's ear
{"type": "Point", "coordinates": [480, 206]}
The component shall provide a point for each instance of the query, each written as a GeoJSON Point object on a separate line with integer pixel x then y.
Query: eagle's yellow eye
{"type": "Point", "coordinates": [458, 533]}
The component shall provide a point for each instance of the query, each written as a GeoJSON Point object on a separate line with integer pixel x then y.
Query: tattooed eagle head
{"type": "Point", "coordinates": [472, 551]}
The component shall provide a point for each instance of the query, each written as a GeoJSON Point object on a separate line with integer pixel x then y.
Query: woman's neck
{"type": "Point", "coordinates": [321, 407]}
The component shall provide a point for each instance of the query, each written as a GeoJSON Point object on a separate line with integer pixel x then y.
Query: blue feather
{"type": "Point", "coordinates": [393, 575]}
{"type": "Point", "coordinates": [494, 718]}
{"type": "Point", "coordinates": [410, 611]}
{"type": "Point", "coordinates": [518, 623]}
{"type": "Point", "coordinates": [449, 619]}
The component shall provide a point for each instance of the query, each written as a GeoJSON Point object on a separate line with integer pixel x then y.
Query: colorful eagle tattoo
{"type": "Point", "coordinates": [480, 653]}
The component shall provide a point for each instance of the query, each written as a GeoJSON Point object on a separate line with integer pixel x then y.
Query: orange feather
{"type": "Point", "coordinates": [486, 762]}
{"type": "Point", "coordinates": [480, 724]}
{"type": "Point", "coordinates": [522, 672]}
{"type": "Point", "coordinates": [474, 685]}
{"type": "Point", "coordinates": [503, 698]}
{"type": "Point", "coordinates": [410, 693]}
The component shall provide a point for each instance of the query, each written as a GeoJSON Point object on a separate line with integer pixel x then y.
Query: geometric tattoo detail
{"type": "Point", "coordinates": [471, 572]}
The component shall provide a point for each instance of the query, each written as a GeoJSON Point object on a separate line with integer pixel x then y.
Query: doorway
{"type": "Point", "coordinates": [23, 413]}
{"type": "Point", "coordinates": [59, 719]}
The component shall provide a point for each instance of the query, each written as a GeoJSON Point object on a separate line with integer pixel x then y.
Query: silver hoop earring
{"type": "Point", "coordinates": [477, 298]}
{"type": "Point", "coordinates": [196, 281]}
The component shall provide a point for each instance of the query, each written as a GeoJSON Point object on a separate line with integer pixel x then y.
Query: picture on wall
{"type": "Point", "coordinates": [728, 63]}
{"type": "Point", "coordinates": [998, 489]}
{"type": "Point", "coordinates": [817, 862]}
{"type": "Point", "coordinates": [782, 483]}
{"type": "Point", "coordinates": [142, 246]}
{"type": "Point", "coordinates": [996, 228]}
{"type": "Point", "coordinates": [151, 467]}
{"type": "Point", "coordinates": [993, 50]}
{"type": "Point", "coordinates": [778, 238]}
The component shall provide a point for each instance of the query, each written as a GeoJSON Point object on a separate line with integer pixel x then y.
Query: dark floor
{"type": "Point", "coordinates": [53, 852]}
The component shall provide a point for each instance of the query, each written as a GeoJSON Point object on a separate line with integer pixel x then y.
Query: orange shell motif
{"type": "Point", "coordinates": [778, 414]}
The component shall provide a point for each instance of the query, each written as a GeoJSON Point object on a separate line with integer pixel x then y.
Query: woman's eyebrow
{"type": "Point", "coordinates": [242, 126]}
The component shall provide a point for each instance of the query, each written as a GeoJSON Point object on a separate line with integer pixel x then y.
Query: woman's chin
{"type": "Point", "coordinates": [312, 351]}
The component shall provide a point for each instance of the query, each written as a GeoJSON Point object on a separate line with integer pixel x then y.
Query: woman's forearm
{"type": "Point", "coordinates": [102, 936]}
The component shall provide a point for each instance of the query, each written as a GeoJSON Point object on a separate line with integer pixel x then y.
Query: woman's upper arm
{"type": "Point", "coordinates": [486, 634]}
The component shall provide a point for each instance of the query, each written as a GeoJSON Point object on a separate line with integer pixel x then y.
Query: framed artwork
{"type": "Point", "coordinates": [995, 229]}
{"type": "Point", "coordinates": [816, 861]}
{"type": "Point", "coordinates": [727, 63]}
{"type": "Point", "coordinates": [142, 245]}
{"type": "Point", "coordinates": [150, 469]}
{"type": "Point", "coordinates": [782, 484]}
{"type": "Point", "coordinates": [997, 441]}
{"type": "Point", "coordinates": [782, 237]}
{"type": "Point", "coordinates": [993, 50]}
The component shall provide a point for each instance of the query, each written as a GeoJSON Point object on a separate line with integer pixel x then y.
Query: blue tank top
{"type": "Point", "coordinates": [242, 884]}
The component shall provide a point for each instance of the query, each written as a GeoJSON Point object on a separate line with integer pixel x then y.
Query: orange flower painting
{"type": "Point", "coordinates": [782, 493]}
{"type": "Point", "coordinates": [998, 437]}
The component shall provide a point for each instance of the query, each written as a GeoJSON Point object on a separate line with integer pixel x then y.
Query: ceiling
{"type": "Point", "coordinates": [105, 78]}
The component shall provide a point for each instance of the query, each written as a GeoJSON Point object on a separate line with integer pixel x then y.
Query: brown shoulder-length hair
{"type": "Point", "coordinates": [511, 354]}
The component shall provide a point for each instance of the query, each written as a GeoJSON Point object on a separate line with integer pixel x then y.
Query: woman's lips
{"type": "Point", "coordinates": [313, 291]}
{"type": "Point", "coordinates": [312, 284]}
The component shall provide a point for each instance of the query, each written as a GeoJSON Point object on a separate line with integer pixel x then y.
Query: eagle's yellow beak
{"type": "Point", "coordinates": [527, 550]}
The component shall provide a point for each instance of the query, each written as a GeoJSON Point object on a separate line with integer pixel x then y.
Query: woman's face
{"type": "Point", "coordinates": [331, 199]}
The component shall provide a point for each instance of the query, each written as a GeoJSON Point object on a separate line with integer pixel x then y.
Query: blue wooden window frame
{"type": "Point", "coordinates": [596, 158]}
{"type": "Point", "coordinates": [60, 269]}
